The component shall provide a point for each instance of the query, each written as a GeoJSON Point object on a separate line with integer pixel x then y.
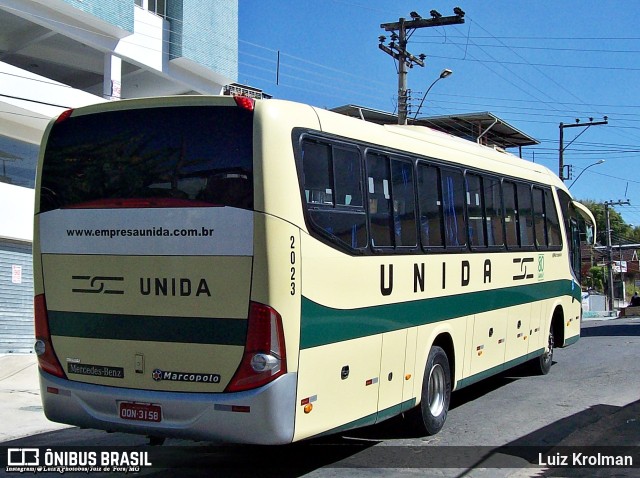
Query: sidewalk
{"type": "Point", "coordinates": [20, 407]}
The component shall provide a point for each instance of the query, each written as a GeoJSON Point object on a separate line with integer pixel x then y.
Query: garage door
{"type": "Point", "coordinates": [16, 298]}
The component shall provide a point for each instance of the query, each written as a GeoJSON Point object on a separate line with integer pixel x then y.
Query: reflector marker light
{"type": "Point", "coordinates": [501, 341]}
{"type": "Point", "coordinates": [371, 381]}
{"type": "Point", "coordinates": [232, 408]}
{"type": "Point", "coordinates": [308, 400]}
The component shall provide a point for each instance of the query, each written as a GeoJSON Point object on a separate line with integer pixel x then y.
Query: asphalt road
{"type": "Point", "coordinates": [495, 428]}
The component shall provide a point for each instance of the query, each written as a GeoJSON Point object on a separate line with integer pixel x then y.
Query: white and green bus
{"type": "Point", "coordinates": [219, 268]}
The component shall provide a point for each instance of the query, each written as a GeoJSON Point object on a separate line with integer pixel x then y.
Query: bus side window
{"type": "Point", "coordinates": [511, 227]}
{"type": "Point", "coordinates": [348, 177]}
{"type": "Point", "coordinates": [430, 200]}
{"type": "Point", "coordinates": [380, 212]}
{"type": "Point", "coordinates": [404, 207]}
{"type": "Point", "coordinates": [493, 209]}
{"type": "Point", "coordinates": [525, 215]}
{"type": "Point", "coordinates": [332, 184]}
{"type": "Point", "coordinates": [539, 223]}
{"type": "Point", "coordinates": [316, 162]}
{"type": "Point", "coordinates": [392, 209]}
{"type": "Point", "coordinates": [453, 194]}
{"type": "Point", "coordinates": [553, 223]}
{"type": "Point", "coordinates": [475, 211]}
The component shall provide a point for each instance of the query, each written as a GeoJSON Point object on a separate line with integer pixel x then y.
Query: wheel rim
{"type": "Point", "coordinates": [436, 390]}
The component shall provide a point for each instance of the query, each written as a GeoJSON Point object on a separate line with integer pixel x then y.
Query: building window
{"type": "Point", "coordinates": [159, 7]}
{"type": "Point", "coordinates": [18, 162]}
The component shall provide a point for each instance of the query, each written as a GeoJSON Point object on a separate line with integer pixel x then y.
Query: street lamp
{"type": "Point", "coordinates": [582, 172]}
{"type": "Point", "coordinates": [443, 74]}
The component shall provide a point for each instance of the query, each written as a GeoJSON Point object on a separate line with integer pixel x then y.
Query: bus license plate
{"type": "Point", "coordinates": [142, 412]}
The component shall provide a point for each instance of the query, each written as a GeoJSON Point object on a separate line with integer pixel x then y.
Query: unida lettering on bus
{"type": "Point", "coordinates": [191, 377]}
{"type": "Point", "coordinates": [174, 286]}
{"type": "Point", "coordinates": [419, 276]}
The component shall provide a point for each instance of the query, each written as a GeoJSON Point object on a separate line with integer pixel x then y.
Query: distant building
{"type": "Point", "coordinates": [235, 89]}
{"type": "Point", "coordinates": [483, 128]}
{"type": "Point", "coordinates": [58, 54]}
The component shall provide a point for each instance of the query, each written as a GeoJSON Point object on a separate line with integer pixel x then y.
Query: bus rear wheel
{"type": "Point", "coordinates": [430, 415]}
{"type": "Point", "coordinates": [545, 360]}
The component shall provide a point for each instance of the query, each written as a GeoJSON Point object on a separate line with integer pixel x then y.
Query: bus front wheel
{"type": "Point", "coordinates": [542, 364]}
{"type": "Point", "coordinates": [430, 415]}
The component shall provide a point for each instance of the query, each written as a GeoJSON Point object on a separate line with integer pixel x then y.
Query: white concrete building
{"type": "Point", "coordinates": [59, 54]}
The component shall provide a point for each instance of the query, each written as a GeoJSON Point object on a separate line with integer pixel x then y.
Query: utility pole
{"type": "Point", "coordinates": [561, 148]}
{"type": "Point", "coordinates": [609, 248]}
{"type": "Point", "coordinates": [397, 48]}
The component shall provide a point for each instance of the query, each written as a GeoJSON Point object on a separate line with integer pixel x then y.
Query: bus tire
{"type": "Point", "coordinates": [546, 359]}
{"type": "Point", "coordinates": [542, 364]}
{"type": "Point", "coordinates": [430, 415]}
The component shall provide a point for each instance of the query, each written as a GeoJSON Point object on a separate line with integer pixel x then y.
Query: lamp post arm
{"type": "Point", "coordinates": [425, 95]}
{"type": "Point", "coordinates": [582, 172]}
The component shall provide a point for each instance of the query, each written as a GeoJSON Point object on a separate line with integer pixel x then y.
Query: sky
{"type": "Point", "coordinates": [534, 64]}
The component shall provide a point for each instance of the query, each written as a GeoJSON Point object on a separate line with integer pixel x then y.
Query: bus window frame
{"type": "Point", "coordinates": [390, 157]}
{"type": "Point", "coordinates": [461, 172]}
{"type": "Point", "coordinates": [299, 135]}
{"type": "Point", "coordinates": [500, 210]}
{"type": "Point", "coordinates": [315, 229]}
{"type": "Point", "coordinates": [483, 210]}
{"type": "Point", "coordinates": [432, 164]}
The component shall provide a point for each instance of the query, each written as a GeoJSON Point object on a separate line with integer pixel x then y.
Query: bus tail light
{"type": "Point", "coordinates": [43, 347]}
{"type": "Point", "coordinates": [264, 356]}
{"type": "Point", "coordinates": [245, 102]}
{"type": "Point", "coordinates": [64, 115]}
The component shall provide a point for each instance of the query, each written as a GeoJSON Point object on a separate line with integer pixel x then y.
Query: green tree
{"type": "Point", "coordinates": [595, 278]}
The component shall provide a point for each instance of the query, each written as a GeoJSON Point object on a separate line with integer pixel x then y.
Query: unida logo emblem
{"type": "Point", "coordinates": [191, 377]}
{"type": "Point", "coordinates": [98, 285]}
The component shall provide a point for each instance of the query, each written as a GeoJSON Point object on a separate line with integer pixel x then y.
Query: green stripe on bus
{"type": "Point", "coordinates": [497, 369]}
{"type": "Point", "coordinates": [322, 325]}
{"type": "Point", "coordinates": [195, 330]}
{"type": "Point", "coordinates": [571, 340]}
{"type": "Point", "coordinates": [372, 418]}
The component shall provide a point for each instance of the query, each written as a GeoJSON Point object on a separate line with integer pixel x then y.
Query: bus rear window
{"type": "Point", "coordinates": [188, 155]}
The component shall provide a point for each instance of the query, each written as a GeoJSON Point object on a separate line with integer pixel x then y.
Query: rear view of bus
{"type": "Point", "coordinates": [143, 264]}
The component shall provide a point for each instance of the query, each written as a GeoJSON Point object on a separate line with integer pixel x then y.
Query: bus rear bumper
{"type": "Point", "coordinates": [262, 416]}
